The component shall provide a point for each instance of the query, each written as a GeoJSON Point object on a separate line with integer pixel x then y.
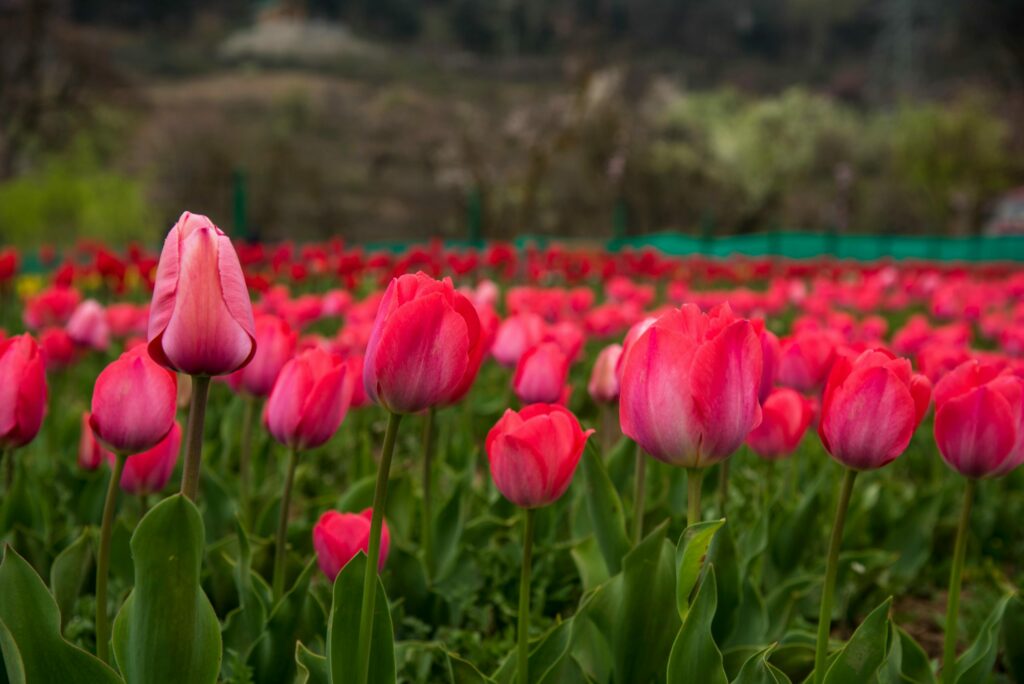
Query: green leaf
{"type": "Point", "coordinates": [605, 510]}
{"type": "Point", "coordinates": [907, 662]}
{"type": "Point", "coordinates": [343, 629]}
{"type": "Point", "coordinates": [30, 639]}
{"type": "Point", "coordinates": [691, 553]}
{"type": "Point", "coordinates": [976, 663]}
{"type": "Point", "coordinates": [167, 631]}
{"type": "Point", "coordinates": [312, 668]}
{"type": "Point", "coordinates": [589, 563]}
{"type": "Point", "coordinates": [695, 656]}
{"type": "Point", "coordinates": [859, 660]}
{"type": "Point", "coordinates": [448, 526]}
{"type": "Point", "coordinates": [462, 671]}
{"type": "Point", "coordinates": [758, 670]}
{"type": "Point", "coordinates": [244, 625]}
{"type": "Point", "coordinates": [69, 572]}
{"type": "Point", "coordinates": [1013, 638]}
{"type": "Point", "coordinates": [547, 658]}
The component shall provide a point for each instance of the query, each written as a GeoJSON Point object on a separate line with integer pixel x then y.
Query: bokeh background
{"type": "Point", "coordinates": [397, 120]}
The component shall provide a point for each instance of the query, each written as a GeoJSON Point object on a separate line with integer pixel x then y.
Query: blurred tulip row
{"type": "Point", "coordinates": [566, 464]}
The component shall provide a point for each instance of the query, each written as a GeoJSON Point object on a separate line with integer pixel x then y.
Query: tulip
{"type": "Point", "coordinates": [58, 348]}
{"type": "Point", "coordinates": [770, 352]}
{"type": "Point", "coordinates": [533, 455]}
{"type": "Point", "coordinates": [871, 407]}
{"type": "Point", "coordinates": [88, 326]}
{"type": "Point", "coordinates": [515, 336]}
{"type": "Point", "coordinates": [805, 359]}
{"type": "Point", "coordinates": [785, 415]}
{"type": "Point", "coordinates": [541, 374]}
{"type": "Point", "coordinates": [979, 429]}
{"type": "Point", "coordinates": [22, 394]}
{"type": "Point", "coordinates": [51, 307]}
{"type": "Point", "coordinates": [90, 452]}
{"type": "Point", "coordinates": [604, 382]}
{"type": "Point", "coordinates": [149, 471]}
{"type": "Point", "coordinates": [338, 537]}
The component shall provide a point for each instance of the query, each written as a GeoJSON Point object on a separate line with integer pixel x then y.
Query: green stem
{"type": "Point", "coordinates": [7, 455]}
{"type": "Point", "coordinates": [103, 561]}
{"type": "Point", "coordinates": [524, 598]}
{"type": "Point", "coordinates": [194, 444]}
{"type": "Point", "coordinates": [953, 602]}
{"type": "Point", "coordinates": [723, 487]}
{"type": "Point", "coordinates": [639, 484]}
{"type": "Point", "coordinates": [282, 526]}
{"type": "Point", "coordinates": [831, 566]}
{"type": "Point", "coordinates": [427, 518]}
{"type": "Point", "coordinates": [143, 504]}
{"type": "Point", "coordinates": [694, 478]}
{"type": "Point", "coordinates": [245, 457]}
{"type": "Point", "coordinates": [380, 496]}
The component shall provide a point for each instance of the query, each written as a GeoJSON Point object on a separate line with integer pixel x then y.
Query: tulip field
{"type": "Point", "coordinates": [552, 464]}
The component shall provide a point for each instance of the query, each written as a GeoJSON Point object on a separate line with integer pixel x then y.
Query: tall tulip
{"type": "Point", "coordinates": [871, 407]}
{"type": "Point", "coordinates": [533, 455]}
{"type": "Point", "coordinates": [604, 381]}
{"type": "Point", "coordinates": [979, 429]}
{"type": "Point", "coordinates": [200, 320]}
{"type": "Point", "coordinates": [305, 408]}
{"type": "Point", "coordinates": [22, 396]}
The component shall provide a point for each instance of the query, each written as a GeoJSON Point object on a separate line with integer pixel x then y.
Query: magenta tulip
{"type": "Point", "coordinates": [91, 454]}
{"type": "Point", "coordinates": [338, 537]}
{"type": "Point", "coordinates": [604, 380]}
{"type": "Point", "coordinates": [149, 471]}
{"type": "Point", "coordinates": [275, 346]}
{"type": "Point", "coordinates": [515, 336]}
{"type": "Point", "coordinates": [22, 391]}
{"type": "Point", "coordinates": [88, 326]}
{"type": "Point", "coordinates": [541, 374]}
{"type": "Point", "coordinates": [309, 400]}
{"type": "Point", "coordinates": [133, 403]}
{"type": "Point", "coordinates": [806, 358]}
{"type": "Point", "coordinates": [785, 415]}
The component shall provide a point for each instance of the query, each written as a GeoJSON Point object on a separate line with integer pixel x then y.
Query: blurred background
{"type": "Point", "coordinates": [397, 120]}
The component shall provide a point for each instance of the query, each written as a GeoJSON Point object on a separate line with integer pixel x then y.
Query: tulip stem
{"type": "Point", "coordinates": [143, 504]}
{"type": "Point", "coordinates": [380, 496]}
{"type": "Point", "coordinates": [427, 518]}
{"type": "Point", "coordinates": [828, 590]}
{"type": "Point", "coordinates": [103, 561]}
{"type": "Point", "coordinates": [524, 598]}
{"type": "Point", "coordinates": [245, 457]}
{"type": "Point", "coordinates": [723, 487]}
{"type": "Point", "coordinates": [7, 455]}
{"type": "Point", "coordinates": [639, 486]}
{"type": "Point", "coordinates": [282, 526]}
{"type": "Point", "coordinates": [953, 602]}
{"type": "Point", "coordinates": [194, 448]}
{"type": "Point", "coordinates": [694, 479]}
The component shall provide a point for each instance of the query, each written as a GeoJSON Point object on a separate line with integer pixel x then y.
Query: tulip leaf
{"type": "Point", "coordinates": [69, 572]}
{"type": "Point", "coordinates": [691, 552]}
{"type": "Point", "coordinates": [31, 644]}
{"type": "Point", "coordinates": [1013, 638]}
{"type": "Point", "coordinates": [609, 522]}
{"type": "Point", "coordinates": [859, 660]}
{"type": "Point", "coordinates": [976, 663]}
{"type": "Point", "coordinates": [758, 670]}
{"type": "Point", "coordinates": [343, 629]}
{"type": "Point", "coordinates": [167, 631]}
{"type": "Point", "coordinates": [547, 661]}
{"type": "Point", "coordinates": [461, 671]}
{"type": "Point", "coordinates": [448, 525]}
{"type": "Point", "coordinates": [295, 617]}
{"type": "Point", "coordinates": [695, 656]}
{"type": "Point", "coordinates": [907, 662]}
{"type": "Point", "coordinates": [312, 668]}
{"type": "Point", "coordinates": [244, 624]}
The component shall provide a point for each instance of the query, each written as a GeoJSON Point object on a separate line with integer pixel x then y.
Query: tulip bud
{"type": "Point", "coordinates": [88, 326]}
{"type": "Point", "coordinates": [979, 420]}
{"type": "Point", "coordinates": [534, 453]}
{"type": "Point", "coordinates": [338, 537]}
{"type": "Point", "coordinates": [541, 374]}
{"type": "Point", "coordinates": [421, 351]}
{"type": "Point", "coordinates": [604, 381]}
{"type": "Point", "coordinates": [275, 346]}
{"type": "Point", "coordinates": [149, 471]}
{"type": "Point", "coordinates": [201, 320]}
{"type": "Point", "coordinates": [309, 399]}
{"type": "Point", "coordinates": [133, 403]}
{"type": "Point", "coordinates": [22, 391]}
{"type": "Point", "coordinates": [90, 452]}
{"type": "Point", "coordinates": [871, 407]}
{"type": "Point", "coordinates": [785, 415]}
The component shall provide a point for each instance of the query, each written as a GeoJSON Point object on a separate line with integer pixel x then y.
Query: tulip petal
{"type": "Point", "coordinates": [975, 431]}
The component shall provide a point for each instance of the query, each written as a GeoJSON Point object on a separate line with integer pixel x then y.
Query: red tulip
{"type": "Point", "coordinates": [515, 336]}
{"type": "Point", "coordinates": [126, 320]}
{"type": "Point", "coordinates": [534, 453]}
{"type": "Point", "coordinates": [979, 420]}
{"type": "Point", "coordinates": [275, 346]}
{"type": "Point", "coordinates": [604, 381]}
{"type": "Point", "coordinates": [149, 471]}
{"type": "Point", "coordinates": [201, 320]}
{"type": "Point", "coordinates": [309, 400]}
{"type": "Point", "coordinates": [541, 374]}
{"type": "Point", "coordinates": [770, 352]}
{"type": "Point", "coordinates": [338, 537]}
{"type": "Point", "coordinates": [133, 403]}
{"type": "Point", "coordinates": [22, 391]}
{"type": "Point", "coordinates": [88, 326]}
{"type": "Point", "coordinates": [871, 407]}
{"type": "Point", "coordinates": [425, 339]}
{"type": "Point", "coordinates": [806, 358]}
{"type": "Point", "coordinates": [51, 307]}
{"type": "Point", "coordinates": [690, 385]}
{"type": "Point", "coordinates": [785, 415]}
{"type": "Point", "coordinates": [90, 452]}
{"type": "Point", "coordinates": [58, 348]}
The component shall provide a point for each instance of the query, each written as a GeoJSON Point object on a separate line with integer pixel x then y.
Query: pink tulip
{"type": "Point", "coordinates": [57, 347]}
{"type": "Point", "coordinates": [275, 346]}
{"type": "Point", "coordinates": [541, 374]}
{"type": "Point", "coordinates": [422, 351]}
{"type": "Point", "coordinates": [871, 407]}
{"type": "Point", "coordinates": [770, 353]}
{"type": "Point", "coordinates": [201, 320]}
{"type": "Point", "coordinates": [149, 471]}
{"type": "Point", "coordinates": [690, 385]}
{"type": "Point", "coordinates": [785, 415]}
{"type": "Point", "coordinates": [534, 453]}
{"type": "Point", "coordinates": [126, 320]}
{"type": "Point", "coordinates": [979, 420]}
{"type": "Point", "coordinates": [515, 336]}
{"type": "Point", "coordinates": [133, 403]}
{"type": "Point", "coordinates": [806, 358]}
{"type": "Point", "coordinates": [338, 537]}
{"type": "Point", "coordinates": [309, 400]}
{"type": "Point", "coordinates": [604, 381]}
{"type": "Point", "coordinates": [88, 326]}
{"type": "Point", "coordinates": [90, 452]}
{"type": "Point", "coordinates": [22, 391]}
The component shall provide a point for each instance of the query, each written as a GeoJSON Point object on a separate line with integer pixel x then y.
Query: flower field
{"type": "Point", "coordinates": [257, 463]}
